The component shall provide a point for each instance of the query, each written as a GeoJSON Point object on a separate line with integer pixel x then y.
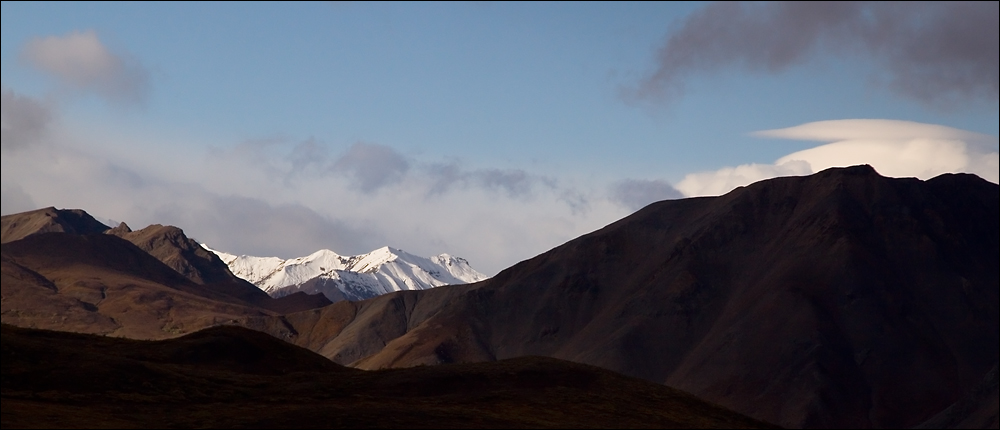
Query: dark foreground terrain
{"type": "Point", "coordinates": [234, 377]}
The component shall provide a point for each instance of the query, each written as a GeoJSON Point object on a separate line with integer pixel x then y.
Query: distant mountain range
{"type": "Point", "coordinates": [356, 277]}
{"type": "Point", "coordinates": [842, 299]}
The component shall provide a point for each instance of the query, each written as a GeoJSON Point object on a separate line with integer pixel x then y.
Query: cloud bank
{"type": "Point", "coordinates": [79, 61]}
{"type": "Point", "coordinates": [288, 198]}
{"type": "Point", "coordinates": [939, 53]}
{"type": "Point", "coordinates": [636, 193]}
{"type": "Point", "coordinates": [893, 148]}
{"type": "Point", "coordinates": [23, 120]}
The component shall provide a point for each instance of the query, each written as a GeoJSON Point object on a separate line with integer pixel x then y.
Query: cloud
{"type": "Point", "coordinates": [849, 129]}
{"type": "Point", "coordinates": [635, 194]}
{"type": "Point", "coordinates": [893, 148]}
{"type": "Point", "coordinates": [285, 198]}
{"type": "Point", "coordinates": [515, 183]}
{"type": "Point", "coordinates": [718, 182]}
{"type": "Point", "coordinates": [255, 227]}
{"type": "Point", "coordinates": [372, 166]}
{"type": "Point", "coordinates": [940, 53]}
{"type": "Point", "coordinates": [81, 62]}
{"type": "Point", "coordinates": [23, 120]}
{"type": "Point", "coordinates": [14, 200]}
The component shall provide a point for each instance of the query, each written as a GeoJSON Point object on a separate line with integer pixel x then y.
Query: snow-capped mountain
{"type": "Point", "coordinates": [356, 277]}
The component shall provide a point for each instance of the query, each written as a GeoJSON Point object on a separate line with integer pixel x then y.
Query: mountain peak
{"type": "Point", "coordinates": [875, 295]}
{"type": "Point", "coordinates": [356, 277]}
{"type": "Point", "coordinates": [48, 220]}
{"type": "Point", "coordinates": [120, 230]}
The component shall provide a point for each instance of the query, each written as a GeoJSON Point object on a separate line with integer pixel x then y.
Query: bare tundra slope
{"type": "Point", "coordinates": [840, 299]}
{"type": "Point", "coordinates": [232, 377]}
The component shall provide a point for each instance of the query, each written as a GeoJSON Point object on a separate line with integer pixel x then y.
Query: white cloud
{"type": "Point", "coordinates": [721, 181]}
{"type": "Point", "coordinates": [288, 199]}
{"type": "Point", "coordinates": [893, 148]}
{"type": "Point", "coordinates": [636, 193]}
{"type": "Point", "coordinates": [13, 199]}
{"type": "Point", "coordinates": [851, 129]}
{"type": "Point", "coordinates": [80, 61]}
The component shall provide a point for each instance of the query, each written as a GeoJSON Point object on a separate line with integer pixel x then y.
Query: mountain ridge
{"type": "Point", "coordinates": [839, 299]}
{"type": "Point", "coordinates": [63, 269]}
{"type": "Point", "coordinates": [842, 298]}
{"type": "Point", "coordinates": [356, 277]}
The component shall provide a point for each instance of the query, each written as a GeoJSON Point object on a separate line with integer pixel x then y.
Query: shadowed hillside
{"type": "Point", "coordinates": [842, 298]}
{"type": "Point", "coordinates": [233, 377]}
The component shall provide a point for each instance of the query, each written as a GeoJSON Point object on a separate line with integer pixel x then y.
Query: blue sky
{"type": "Point", "coordinates": [493, 131]}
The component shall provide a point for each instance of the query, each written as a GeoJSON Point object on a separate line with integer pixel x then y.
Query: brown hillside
{"type": "Point", "coordinates": [103, 284]}
{"type": "Point", "coordinates": [48, 220]}
{"type": "Point", "coordinates": [167, 244]}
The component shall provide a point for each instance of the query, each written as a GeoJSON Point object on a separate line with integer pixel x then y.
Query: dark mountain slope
{"type": "Point", "coordinates": [233, 377]}
{"type": "Point", "coordinates": [838, 299]}
{"type": "Point", "coordinates": [979, 409]}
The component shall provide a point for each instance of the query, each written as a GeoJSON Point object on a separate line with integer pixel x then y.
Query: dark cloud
{"type": "Point", "coordinates": [244, 225]}
{"type": "Point", "coordinates": [938, 53]}
{"type": "Point", "coordinates": [372, 166]}
{"type": "Point", "coordinates": [577, 202]}
{"type": "Point", "coordinates": [14, 200]}
{"type": "Point", "coordinates": [513, 182]}
{"type": "Point", "coordinates": [24, 120]}
{"type": "Point", "coordinates": [306, 154]}
{"type": "Point", "coordinates": [80, 61]}
{"type": "Point", "coordinates": [635, 194]}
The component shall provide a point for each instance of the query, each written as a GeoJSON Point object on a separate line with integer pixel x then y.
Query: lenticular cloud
{"type": "Point", "coordinates": [893, 148]}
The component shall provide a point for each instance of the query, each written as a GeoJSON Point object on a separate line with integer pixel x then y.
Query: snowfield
{"type": "Point", "coordinates": [355, 277]}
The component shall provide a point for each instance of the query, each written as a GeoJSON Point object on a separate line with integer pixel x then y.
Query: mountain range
{"type": "Point", "coordinates": [356, 277]}
{"type": "Point", "coordinates": [840, 299]}
{"type": "Point", "coordinates": [62, 269]}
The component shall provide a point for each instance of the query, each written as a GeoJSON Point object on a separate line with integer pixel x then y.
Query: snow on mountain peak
{"type": "Point", "coordinates": [357, 277]}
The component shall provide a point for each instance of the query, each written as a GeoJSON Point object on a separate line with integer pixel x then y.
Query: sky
{"type": "Point", "coordinates": [486, 130]}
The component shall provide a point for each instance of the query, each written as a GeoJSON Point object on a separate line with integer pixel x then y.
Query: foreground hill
{"type": "Point", "coordinates": [840, 299]}
{"type": "Point", "coordinates": [233, 377]}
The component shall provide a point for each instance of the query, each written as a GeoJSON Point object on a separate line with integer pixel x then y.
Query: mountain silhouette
{"type": "Point", "coordinates": [840, 299]}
